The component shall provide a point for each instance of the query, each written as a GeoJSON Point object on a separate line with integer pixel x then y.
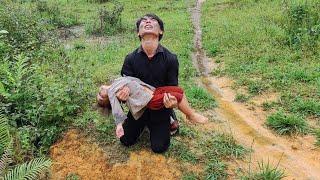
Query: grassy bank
{"type": "Point", "coordinates": [269, 47]}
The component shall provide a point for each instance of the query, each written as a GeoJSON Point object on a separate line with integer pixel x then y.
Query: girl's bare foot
{"type": "Point", "coordinates": [197, 118]}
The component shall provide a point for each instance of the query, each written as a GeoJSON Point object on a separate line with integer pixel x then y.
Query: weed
{"type": "Point", "coordinates": [199, 98]}
{"type": "Point", "coordinates": [286, 124]}
{"type": "Point", "coordinates": [187, 132]}
{"type": "Point", "coordinates": [241, 98]}
{"type": "Point", "coordinates": [189, 176]}
{"type": "Point", "coordinates": [266, 172]}
{"type": "Point", "coordinates": [224, 146]}
{"type": "Point", "coordinates": [267, 106]}
{"type": "Point", "coordinates": [216, 169]}
{"type": "Point", "coordinates": [109, 20]}
{"type": "Point", "coordinates": [303, 24]}
{"type": "Point", "coordinates": [181, 151]}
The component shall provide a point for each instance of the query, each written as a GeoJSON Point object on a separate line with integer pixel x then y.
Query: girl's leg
{"type": "Point", "coordinates": [191, 115]}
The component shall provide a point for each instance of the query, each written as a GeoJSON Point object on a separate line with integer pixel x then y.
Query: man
{"type": "Point", "coordinates": [157, 66]}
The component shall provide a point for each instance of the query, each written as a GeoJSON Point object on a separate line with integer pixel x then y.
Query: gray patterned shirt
{"type": "Point", "coordinates": [137, 101]}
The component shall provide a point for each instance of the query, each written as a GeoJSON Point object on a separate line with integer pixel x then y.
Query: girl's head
{"type": "Point", "coordinates": [102, 96]}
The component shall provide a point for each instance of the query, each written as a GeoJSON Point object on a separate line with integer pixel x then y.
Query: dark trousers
{"type": "Point", "coordinates": [158, 122]}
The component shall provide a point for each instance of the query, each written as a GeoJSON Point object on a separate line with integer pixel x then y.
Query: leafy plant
{"type": "Point", "coordinates": [109, 21]}
{"type": "Point", "coordinates": [29, 170]}
{"type": "Point", "coordinates": [286, 124]}
{"type": "Point", "coordinates": [266, 172]}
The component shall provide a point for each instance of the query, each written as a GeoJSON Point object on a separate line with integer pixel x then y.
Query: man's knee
{"type": "Point", "coordinates": [127, 141]}
{"type": "Point", "coordinates": [160, 148]}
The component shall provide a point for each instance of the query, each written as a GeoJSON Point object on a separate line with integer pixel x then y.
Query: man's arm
{"type": "Point", "coordinates": [127, 70]}
{"type": "Point", "coordinates": [173, 71]}
{"type": "Point", "coordinates": [170, 101]}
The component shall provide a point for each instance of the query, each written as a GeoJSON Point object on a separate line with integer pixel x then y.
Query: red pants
{"type": "Point", "coordinates": [157, 100]}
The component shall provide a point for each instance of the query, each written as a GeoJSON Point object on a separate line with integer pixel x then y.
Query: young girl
{"type": "Point", "coordinates": [142, 96]}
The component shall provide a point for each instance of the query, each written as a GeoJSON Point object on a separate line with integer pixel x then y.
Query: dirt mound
{"type": "Point", "coordinates": [76, 155]}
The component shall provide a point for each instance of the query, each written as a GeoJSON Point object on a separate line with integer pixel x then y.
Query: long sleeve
{"type": "Point", "coordinates": [173, 71]}
{"type": "Point", "coordinates": [117, 112]}
{"type": "Point", "coordinates": [127, 67]}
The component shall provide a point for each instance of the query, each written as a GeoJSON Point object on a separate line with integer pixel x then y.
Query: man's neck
{"type": "Point", "coordinates": [149, 45]}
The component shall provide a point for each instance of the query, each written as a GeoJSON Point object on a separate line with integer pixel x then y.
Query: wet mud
{"type": "Point", "coordinates": [79, 157]}
{"type": "Point", "coordinates": [296, 155]}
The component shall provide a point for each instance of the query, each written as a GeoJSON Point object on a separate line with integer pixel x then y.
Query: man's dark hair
{"type": "Point", "coordinates": [160, 22]}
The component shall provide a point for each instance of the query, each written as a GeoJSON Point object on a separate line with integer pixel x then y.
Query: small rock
{"type": "Point", "coordinates": [294, 147]}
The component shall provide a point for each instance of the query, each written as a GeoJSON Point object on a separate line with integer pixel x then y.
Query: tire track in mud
{"type": "Point", "coordinates": [297, 157]}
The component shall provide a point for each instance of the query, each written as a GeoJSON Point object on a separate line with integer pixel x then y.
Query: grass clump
{"type": "Point", "coordinates": [218, 148]}
{"type": "Point", "coordinates": [216, 169]}
{"type": "Point", "coordinates": [241, 98]}
{"type": "Point", "coordinates": [224, 146]}
{"type": "Point", "coordinates": [266, 172]}
{"type": "Point", "coordinates": [286, 124]}
{"type": "Point", "coordinates": [200, 98]}
{"type": "Point", "coordinates": [181, 151]}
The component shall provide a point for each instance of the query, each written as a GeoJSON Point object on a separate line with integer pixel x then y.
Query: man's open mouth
{"type": "Point", "coordinates": [148, 27]}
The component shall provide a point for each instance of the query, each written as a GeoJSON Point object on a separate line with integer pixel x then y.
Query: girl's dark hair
{"type": "Point", "coordinates": [160, 22]}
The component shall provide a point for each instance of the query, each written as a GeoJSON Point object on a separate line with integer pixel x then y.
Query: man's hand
{"type": "Point", "coordinates": [119, 130]}
{"type": "Point", "coordinates": [123, 93]}
{"type": "Point", "coordinates": [170, 101]}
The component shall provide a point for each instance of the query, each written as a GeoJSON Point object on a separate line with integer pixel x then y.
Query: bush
{"type": "Point", "coordinates": [285, 124]}
{"type": "Point", "coordinates": [303, 24]}
{"type": "Point", "coordinates": [38, 88]}
{"type": "Point", "coordinates": [109, 21]}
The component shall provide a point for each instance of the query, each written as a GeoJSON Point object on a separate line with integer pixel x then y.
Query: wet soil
{"type": "Point", "coordinates": [296, 155]}
{"type": "Point", "coordinates": [78, 156]}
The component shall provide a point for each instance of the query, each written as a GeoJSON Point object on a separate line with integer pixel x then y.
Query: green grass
{"type": "Point", "coordinates": [223, 146]}
{"type": "Point", "coordinates": [266, 172]}
{"type": "Point", "coordinates": [199, 98]}
{"type": "Point", "coordinates": [265, 47]}
{"type": "Point", "coordinates": [287, 124]}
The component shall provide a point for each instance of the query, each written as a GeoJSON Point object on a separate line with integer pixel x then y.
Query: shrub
{"type": "Point", "coordinates": [109, 21]}
{"type": "Point", "coordinates": [285, 124]}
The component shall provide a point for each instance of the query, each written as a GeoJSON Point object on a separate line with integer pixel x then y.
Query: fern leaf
{"type": "Point", "coordinates": [30, 170]}
{"type": "Point", "coordinates": [5, 161]}
{"type": "Point", "coordinates": [4, 134]}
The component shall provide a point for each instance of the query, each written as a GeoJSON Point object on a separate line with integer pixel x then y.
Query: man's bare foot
{"type": "Point", "coordinates": [197, 118]}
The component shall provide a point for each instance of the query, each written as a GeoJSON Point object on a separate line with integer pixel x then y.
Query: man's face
{"type": "Point", "coordinates": [149, 25]}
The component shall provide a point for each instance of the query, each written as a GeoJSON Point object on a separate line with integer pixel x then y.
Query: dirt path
{"type": "Point", "coordinates": [298, 156]}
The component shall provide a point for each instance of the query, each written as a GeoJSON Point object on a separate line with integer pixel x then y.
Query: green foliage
{"type": "Point", "coordinates": [53, 15]}
{"type": "Point", "coordinates": [181, 151]}
{"type": "Point", "coordinates": [286, 124]}
{"type": "Point", "coordinates": [29, 170]}
{"type": "Point", "coordinates": [109, 20]}
{"type": "Point", "coordinates": [200, 98]}
{"type": "Point", "coordinates": [241, 98]}
{"type": "Point", "coordinates": [189, 176]}
{"type": "Point", "coordinates": [216, 169]}
{"type": "Point", "coordinates": [266, 172]}
{"type": "Point", "coordinates": [4, 134]}
{"type": "Point", "coordinates": [303, 24]}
